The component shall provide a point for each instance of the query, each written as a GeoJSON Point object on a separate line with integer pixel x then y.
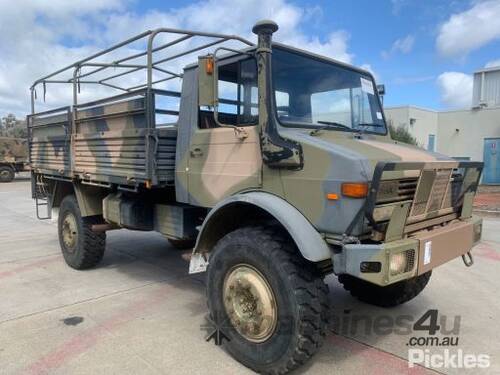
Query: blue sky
{"type": "Point", "coordinates": [423, 51]}
{"type": "Point", "coordinates": [410, 75]}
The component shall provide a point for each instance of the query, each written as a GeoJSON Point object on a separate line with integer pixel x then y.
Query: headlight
{"type": "Point", "coordinates": [401, 262]}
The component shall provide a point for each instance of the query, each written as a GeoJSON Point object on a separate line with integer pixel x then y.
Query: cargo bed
{"type": "Point", "coordinates": [110, 141]}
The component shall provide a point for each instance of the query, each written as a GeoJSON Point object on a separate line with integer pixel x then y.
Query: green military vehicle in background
{"type": "Point", "coordinates": [13, 157]}
{"type": "Point", "coordinates": [273, 162]}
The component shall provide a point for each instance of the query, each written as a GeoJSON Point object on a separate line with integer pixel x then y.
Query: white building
{"type": "Point", "coordinates": [469, 134]}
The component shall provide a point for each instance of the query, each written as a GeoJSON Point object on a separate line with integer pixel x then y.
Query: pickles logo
{"type": "Point", "coordinates": [447, 359]}
{"type": "Point", "coordinates": [433, 338]}
{"type": "Point", "coordinates": [451, 357]}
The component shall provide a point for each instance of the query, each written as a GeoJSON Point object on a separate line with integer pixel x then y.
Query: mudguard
{"type": "Point", "coordinates": [309, 242]}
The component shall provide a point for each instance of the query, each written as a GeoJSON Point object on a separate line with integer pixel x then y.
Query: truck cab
{"type": "Point", "coordinates": [277, 170]}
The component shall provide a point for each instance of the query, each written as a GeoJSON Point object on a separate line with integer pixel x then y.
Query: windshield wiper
{"type": "Point", "coordinates": [328, 124]}
{"type": "Point", "coordinates": [361, 128]}
{"type": "Point", "coordinates": [371, 124]}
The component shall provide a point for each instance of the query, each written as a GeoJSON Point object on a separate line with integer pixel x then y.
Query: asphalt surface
{"type": "Point", "coordinates": [140, 312]}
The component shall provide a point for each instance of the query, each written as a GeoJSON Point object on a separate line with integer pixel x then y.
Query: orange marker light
{"type": "Point", "coordinates": [332, 196]}
{"type": "Point", "coordinates": [209, 65]}
{"type": "Point", "coordinates": [355, 189]}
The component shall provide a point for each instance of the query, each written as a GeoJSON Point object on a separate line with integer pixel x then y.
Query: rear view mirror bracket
{"type": "Point", "coordinates": [208, 88]}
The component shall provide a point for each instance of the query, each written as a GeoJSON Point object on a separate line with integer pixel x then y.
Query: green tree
{"type": "Point", "coordinates": [10, 126]}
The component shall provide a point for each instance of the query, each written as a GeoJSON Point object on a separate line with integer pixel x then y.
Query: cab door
{"type": "Point", "coordinates": [221, 163]}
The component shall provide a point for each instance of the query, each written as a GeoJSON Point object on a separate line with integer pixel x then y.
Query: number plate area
{"type": "Point", "coordinates": [442, 245]}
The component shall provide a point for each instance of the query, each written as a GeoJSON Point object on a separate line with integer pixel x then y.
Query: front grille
{"type": "Point", "coordinates": [407, 188]}
{"type": "Point", "coordinates": [392, 191]}
{"type": "Point", "coordinates": [433, 198]}
{"type": "Point", "coordinates": [418, 208]}
{"type": "Point", "coordinates": [441, 181]}
{"type": "Point", "coordinates": [437, 190]}
{"type": "Point", "coordinates": [435, 193]}
{"type": "Point", "coordinates": [453, 192]}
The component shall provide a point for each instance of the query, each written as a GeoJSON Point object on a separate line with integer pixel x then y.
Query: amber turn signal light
{"type": "Point", "coordinates": [209, 65]}
{"type": "Point", "coordinates": [332, 196]}
{"type": "Point", "coordinates": [355, 189]}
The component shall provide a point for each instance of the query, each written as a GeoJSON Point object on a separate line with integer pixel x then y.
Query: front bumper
{"type": "Point", "coordinates": [421, 252]}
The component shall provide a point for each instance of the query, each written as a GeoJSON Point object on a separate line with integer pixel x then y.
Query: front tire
{"type": "Point", "coordinates": [81, 247]}
{"type": "Point", "coordinates": [269, 302]}
{"type": "Point", "coordinates": [385, 296]}
{"type": "Point", "coordinates": [7, 174]}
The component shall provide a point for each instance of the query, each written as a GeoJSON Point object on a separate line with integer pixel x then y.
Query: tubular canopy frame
{"type": "Point", "coordinates": [123, 63]}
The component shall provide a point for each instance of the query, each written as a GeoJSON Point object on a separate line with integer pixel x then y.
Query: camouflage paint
{"type": "Point", "coordinates": [49, 144]}
{"type": "Point", "coordinates": [109, 143]}
{"type": "Point", "coordinates": [13, 150]}
{"type": "Point", "coordinates": [110, 140]}
{"type": "Point", "coordinates": [220, 164]}
{"type": "Point", "coordinates": [117, 142]}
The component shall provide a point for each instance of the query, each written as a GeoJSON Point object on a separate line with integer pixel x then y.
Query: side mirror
{"type": "Point", "coordinates": [381, 90]}
{"type": "Point", "coordinates": [208, 91]}
{"type": "Point", "coordinates": [207, 79]}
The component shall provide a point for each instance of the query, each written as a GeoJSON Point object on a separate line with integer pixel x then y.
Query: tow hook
{"type": "Point", "coordinates": [468, 260]}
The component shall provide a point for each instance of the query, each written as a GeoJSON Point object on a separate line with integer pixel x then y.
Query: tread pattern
{"type": "Point", "coordinates": [91, 245]}
{"type": "Point", "coordinates": [94, 244]}
{"type": "Point", "coordinates": [388, 296]}
{"type": "Point", "coordinates": [308, 287]}
{"type": "Point", "coordinates": [11, 175]}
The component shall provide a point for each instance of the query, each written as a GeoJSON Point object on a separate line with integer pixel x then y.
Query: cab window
{"type": "Point", "coordinates": [238, 96]}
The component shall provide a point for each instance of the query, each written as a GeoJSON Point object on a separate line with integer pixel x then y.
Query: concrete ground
{"type": "Point", "coordinates": [487, 200]}
{"type": "Point", "coordinates": [140, 312]}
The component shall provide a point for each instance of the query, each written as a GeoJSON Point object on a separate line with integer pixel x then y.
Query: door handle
{"type": "Point", "coordinates": [196, 152]}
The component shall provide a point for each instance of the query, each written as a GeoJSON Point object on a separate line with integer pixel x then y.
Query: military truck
{"type": "Point", "coordinates": [13, 157]}
{"type": "Point", "coordinates": [273, 162]}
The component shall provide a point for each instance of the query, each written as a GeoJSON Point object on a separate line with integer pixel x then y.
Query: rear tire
{"type": "Point", "coordinates": [296, 307]}
{"type": "Point", "coordinates": [7, 174]}
{"type": "Point", "coordinates": [385, 296]}
{"type": "Point", "coordinates": [81, 247]}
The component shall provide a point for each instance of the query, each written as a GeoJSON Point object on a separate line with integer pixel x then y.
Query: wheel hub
{"type": "Point", "coordinates": [250, 304]}
{"type": "Point", "coordinates": [69, 231]}
{"type": "Point", "coordinates": [4, 174]}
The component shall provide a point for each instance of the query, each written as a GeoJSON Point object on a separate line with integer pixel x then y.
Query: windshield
{"type": "Point", "coordinates": [314, 93]}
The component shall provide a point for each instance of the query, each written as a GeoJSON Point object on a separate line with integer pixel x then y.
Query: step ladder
{"type": "Point", "coordinates": [42, 199]}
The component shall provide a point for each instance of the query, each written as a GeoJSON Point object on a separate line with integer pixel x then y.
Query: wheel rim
{"type": "Point", "coordinates": [69, 231]}
{"type": "Point", "coordinates": [250, 303]}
